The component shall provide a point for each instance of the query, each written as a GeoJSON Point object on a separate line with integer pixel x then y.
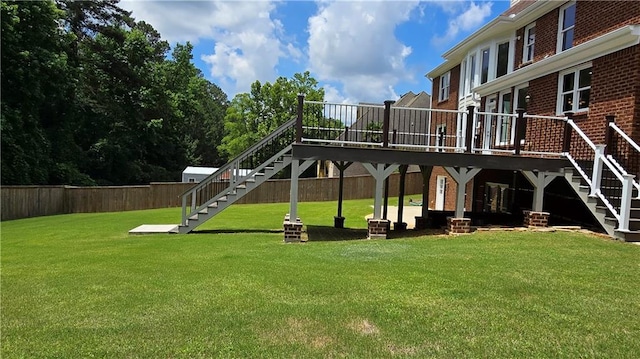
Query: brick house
{"type": "Point", "coordinates": [549, 58]}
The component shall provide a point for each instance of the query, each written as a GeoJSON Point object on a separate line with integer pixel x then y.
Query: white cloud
{"type": "Point", "coordinates": [472, 17]}
{"type": "Point", "coordinates": [247, 39]}
{"type": "Point", "coordinates": [354, 43]}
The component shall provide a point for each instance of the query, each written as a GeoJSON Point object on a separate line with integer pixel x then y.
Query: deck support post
{"type": "Point", "coordinates": [379, 173]}
{"type": "Point", "coordinates": [539, 180]}
{"type": "Point", "coordinates": [422, 222]}
{"type": "Point", "coordinates": [338, 220]}
{"type": "Point", "coordinates": [400, 225]}
{"type": "Point", "coordinates": [461, 175]}
{"type": "Point", "coordinates": [292, 224]}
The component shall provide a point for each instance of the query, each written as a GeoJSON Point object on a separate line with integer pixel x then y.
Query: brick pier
{"type": "Point", "coordinates": [536, 219]}
{"type": "Point", "coordinates": [459, 225]}
{"type": "Point", "coordinates": [377, 228]}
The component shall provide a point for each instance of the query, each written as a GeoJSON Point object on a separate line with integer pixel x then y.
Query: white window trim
{"type": "Point", "coordinates": [463, 79]}
{"type": "Point", "coordinates": [493, 62]}
{"type": "Point", "coordinates": [445, 86]}
{"type": "Point", "coordinates": [576, 89]}
{"type": "Point", "coordinates": [525, 46]}
{"type": "Point", "coordinates": [560, 24]}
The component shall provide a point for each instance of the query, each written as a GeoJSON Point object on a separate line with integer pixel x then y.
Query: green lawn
{"type": "Point", "coordinates": [78, 286]}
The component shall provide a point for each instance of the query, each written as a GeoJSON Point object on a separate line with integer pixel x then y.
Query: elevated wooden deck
{"type": "Point", "coordinates": [504, 161]}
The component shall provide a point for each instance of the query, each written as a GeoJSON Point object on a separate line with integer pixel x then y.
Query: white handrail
{"type": "Point", "coordinates": [624, 135]}
{"type": "Point", "coordinates": [584, 137]}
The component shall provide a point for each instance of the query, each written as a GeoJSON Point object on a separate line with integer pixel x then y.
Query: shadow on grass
{"type": "Point", "coordinates": [245, 230]}
{"type": "Point", "coordinates": [327, 233]}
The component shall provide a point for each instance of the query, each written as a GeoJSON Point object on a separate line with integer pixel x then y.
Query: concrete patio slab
{"type": "Point", "coordinates": [155, 228]}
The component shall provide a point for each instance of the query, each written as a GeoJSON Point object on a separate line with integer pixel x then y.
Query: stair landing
{"type": "Point", "coordinates": [155, 228]}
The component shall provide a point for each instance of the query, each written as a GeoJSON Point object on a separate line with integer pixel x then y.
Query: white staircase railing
{"type": "Point", "coordinates": [594, 156]}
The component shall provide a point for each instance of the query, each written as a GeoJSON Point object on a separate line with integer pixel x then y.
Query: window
{"type": "Point", "coordinates": [574, 89]}
{"type": "Point", "coordinates": [485, 66]}
{"type": "Point", "coordinates": [445, 81]}
{"type": "Point", "coordinates": [191, 180]}
{"type": "Point", "coordinates": [529, 42]}
{"type": "Point", "coordinates": [521, 97]}
{"type": "Point", "coordinates": [566, 23]}
{"type": "Point", "coordinates": [505, 129]}
{"type": "Point", "coordinates": [502, 63]}
{"type": "Point", "coordinates": [472, 72]}
{"type": "Point", "coordinates": [463, 79]}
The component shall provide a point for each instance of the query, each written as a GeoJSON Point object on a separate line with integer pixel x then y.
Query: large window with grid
{"type": "Point", "coordinates": [574, 89]}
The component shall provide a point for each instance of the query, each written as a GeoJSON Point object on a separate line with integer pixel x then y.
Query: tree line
{"type": "Point", "coordinates": [92, 97]}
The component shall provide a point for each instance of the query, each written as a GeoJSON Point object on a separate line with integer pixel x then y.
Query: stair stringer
{"type": "Point", "coordinates": [598, 213]}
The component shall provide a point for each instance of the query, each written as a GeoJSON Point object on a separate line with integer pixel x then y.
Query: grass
{"type": "Point", "coordinates": [79, 286]}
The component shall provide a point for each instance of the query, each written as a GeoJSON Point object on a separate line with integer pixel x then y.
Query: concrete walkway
{"type": "Point", "coordinates": [409, 215]}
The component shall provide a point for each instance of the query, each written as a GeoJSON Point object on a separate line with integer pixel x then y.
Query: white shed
{"type": "Point", "coordinates": [196, 174]}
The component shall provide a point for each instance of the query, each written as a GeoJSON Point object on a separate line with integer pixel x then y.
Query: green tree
{"type": "Point", "coordinates": [252, 116]}
{"type": "Point", "coordinates": [34, 76]}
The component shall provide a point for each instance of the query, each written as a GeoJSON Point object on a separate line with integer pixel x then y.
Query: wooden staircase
{"type": "Point", "coordinates": [601, 212]}
{"type": "Point", "coordinates": [241, 175]}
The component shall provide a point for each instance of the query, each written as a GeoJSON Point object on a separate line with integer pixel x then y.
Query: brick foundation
{"type": "Point", "coordinates": [536, 219]}
{"type": "Point", "coordinates": [458, 225]}
{"type": "Point", "coordinates": [292, 230]}
{"type": "Point", "coordinates": [377, 228]}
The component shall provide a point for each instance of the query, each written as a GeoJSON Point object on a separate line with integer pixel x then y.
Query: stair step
{"type": "Point", "coordinates": [194, 217]}
{"type": "Point", "coordinates": [634, 223]}
{"type": "Point", "coordinates": [222, 199]}
{"type": "Point", "coordinates": [213, 205]}
{"type": "Point", "coordinates": [631, 236]}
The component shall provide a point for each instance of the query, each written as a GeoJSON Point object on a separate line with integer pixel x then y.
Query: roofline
{"type": "Point", "coordinates": [499, 24]}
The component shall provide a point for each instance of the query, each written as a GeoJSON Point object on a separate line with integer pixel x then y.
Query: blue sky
{"type": "Point", "coordinates": [359, 51]}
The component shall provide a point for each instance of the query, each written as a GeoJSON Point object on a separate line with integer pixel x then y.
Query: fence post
{"type": "Point", "coordinates": [299, 119]}
{"type": "Point", "coordinates": [519, 127]}
{"type": "Point", "coordinates": [468, 141]}
{"type": "Point", "coordinates": [609, 134]}
{"type": "Point", "coordinates": [596, 176]}
{"type": "Point", "coordinates": [566, 138]}
{"type": "Point", "coordinates": [394, 139]}
{"type": "Point", "coordinates": [625, 204]}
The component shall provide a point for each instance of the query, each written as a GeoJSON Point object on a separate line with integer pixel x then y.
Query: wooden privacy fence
{"type": "Point", "coordinates": [34, 201]}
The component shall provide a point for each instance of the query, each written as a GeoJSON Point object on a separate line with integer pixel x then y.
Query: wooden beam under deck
{"type": "Point", "coordinates": [393, 156]}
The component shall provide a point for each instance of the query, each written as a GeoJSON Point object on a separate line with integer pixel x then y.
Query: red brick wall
{"type": "Point", "coordinates": [519, 48]}
{"type": "Point", "coordinates": [615, 91]}
{"type": "Point", "coordinates": [596, 18]}
{"type": "Point", "coordinates": [450, 191]}
{"type": "Point", "coordinates": [546, 35]}
{"type": "Point", "coordinates": [452, 102]}
{"type": "Point", "coordinates": [543, 92]}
